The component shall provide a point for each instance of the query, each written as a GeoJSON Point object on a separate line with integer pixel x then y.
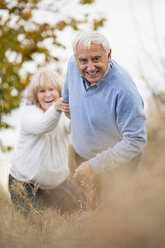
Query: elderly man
{"type": "Point", "coordinates": [108, 120]}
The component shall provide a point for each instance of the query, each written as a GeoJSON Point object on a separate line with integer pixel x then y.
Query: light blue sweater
{"type": "Point", "coordinates": [108, 123]}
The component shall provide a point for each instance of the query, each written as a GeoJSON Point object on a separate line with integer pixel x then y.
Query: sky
{"type": "Point", "coordinates": [136, 32]}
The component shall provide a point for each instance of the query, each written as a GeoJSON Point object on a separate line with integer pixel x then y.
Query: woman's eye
{"type": "Point", "coordinates": [51, 89]}
{"type": "Point", "coordinates": [41, 91]}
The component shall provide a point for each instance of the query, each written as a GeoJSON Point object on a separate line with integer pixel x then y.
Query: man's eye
{"type": "Point", "coordinates": [96, 59]}
{"type": "Point", "coordinates": [83, 61]}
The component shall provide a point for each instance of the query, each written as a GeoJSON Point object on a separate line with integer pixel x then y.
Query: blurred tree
{"type": "Point", "coordinates": [22, 38]}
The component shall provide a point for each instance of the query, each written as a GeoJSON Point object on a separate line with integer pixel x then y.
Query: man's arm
{"type": "Point", "coordinates": [65, 91]}
{"type": "Point", "coordinates": [130, 120]}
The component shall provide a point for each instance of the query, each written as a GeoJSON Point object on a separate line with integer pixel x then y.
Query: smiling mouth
{"type": "Point", "coordinates": [92, 73]}
{"type": "Point", "coordinates": [49, 101]}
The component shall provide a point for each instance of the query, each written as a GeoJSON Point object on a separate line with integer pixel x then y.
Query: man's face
{"type": "Point", "coordinates": [93, 62]}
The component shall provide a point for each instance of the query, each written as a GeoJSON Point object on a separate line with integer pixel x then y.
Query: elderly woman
{"type": "Point", "coordinates": [39, 172]}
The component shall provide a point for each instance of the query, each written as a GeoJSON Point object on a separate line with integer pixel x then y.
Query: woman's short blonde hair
{"type": "Point", "coordinates": [39, 80]}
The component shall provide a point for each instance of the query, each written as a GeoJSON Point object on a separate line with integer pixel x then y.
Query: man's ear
{"type": "Point", "coordinates": [109, 55]}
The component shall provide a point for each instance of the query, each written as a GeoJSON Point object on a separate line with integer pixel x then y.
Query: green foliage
{"type": "Point", "coordinates": [86, 1]}
{"type": "Point", "coordinates": [98, 23]}
{"type": "Point", "coordinates": [21, 37]}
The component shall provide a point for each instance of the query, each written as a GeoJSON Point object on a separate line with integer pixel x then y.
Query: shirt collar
{"type": "Point", "coordinates": [88, 86]}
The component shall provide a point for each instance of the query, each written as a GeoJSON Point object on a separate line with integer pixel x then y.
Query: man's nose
{"type": "Point", "coordinates": [91, 66]}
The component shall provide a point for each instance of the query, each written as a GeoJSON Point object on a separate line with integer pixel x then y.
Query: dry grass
{"type": "Point", "coordinates": [132, 217]}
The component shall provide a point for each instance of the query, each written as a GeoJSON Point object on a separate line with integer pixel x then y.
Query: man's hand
{"type": "Point", "coordinates": [83, 171]}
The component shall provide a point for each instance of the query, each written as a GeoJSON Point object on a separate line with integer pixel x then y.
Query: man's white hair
{"type": "Point", "coordinates": [89, 37]}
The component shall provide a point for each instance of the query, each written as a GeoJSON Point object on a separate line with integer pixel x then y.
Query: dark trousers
{"type": "Point", "coordinates": [25, 196]}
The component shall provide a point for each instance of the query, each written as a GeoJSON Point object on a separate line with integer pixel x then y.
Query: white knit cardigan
{"type": "Point", "coordinates": [41, 156]}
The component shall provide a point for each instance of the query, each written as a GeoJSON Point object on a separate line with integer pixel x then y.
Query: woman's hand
{"type": "Point", "coordinates": [62, 106]}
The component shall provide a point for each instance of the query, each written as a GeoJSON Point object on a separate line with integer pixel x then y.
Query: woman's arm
{"type": "Point", "coordinates": [36, 122]}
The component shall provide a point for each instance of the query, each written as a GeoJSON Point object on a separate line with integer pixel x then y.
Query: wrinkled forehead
{"type": "Point", "coordinates": [94, 50]}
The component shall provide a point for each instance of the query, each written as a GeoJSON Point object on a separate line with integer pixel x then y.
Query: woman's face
{"type": "Point", "coordinates": [47, 96]}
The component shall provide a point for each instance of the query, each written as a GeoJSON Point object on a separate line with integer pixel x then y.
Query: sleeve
{"type": "Point", "coordinates": [36, 122]}
{"type": "Point", "coordinates": [65, 91]}
{"type": "Point", "coordinates": [68, 125]}
{"type": "Point", "coordinates": [131, 122]}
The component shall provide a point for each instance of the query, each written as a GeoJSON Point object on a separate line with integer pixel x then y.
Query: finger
{"type": "Point", "coordinates": [65, 110]}
{"type": "Point", "coordinates": [64, 101]}
{"type": "Point", "coordinates": [66, 107]}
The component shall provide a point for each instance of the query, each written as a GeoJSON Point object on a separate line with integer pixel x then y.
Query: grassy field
{"type": "Point", "coordinates": [132, 217]}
